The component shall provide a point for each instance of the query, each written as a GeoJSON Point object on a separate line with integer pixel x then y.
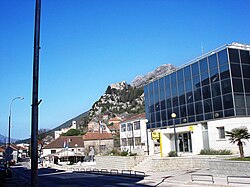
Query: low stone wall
{"type": "Point", "coordinates": [224, 167]}
{"type": "Point", "coordinates": [118, 162]}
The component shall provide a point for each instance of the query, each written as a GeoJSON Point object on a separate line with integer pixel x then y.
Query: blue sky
{"type": "Point", "coordinates": [88, 44]}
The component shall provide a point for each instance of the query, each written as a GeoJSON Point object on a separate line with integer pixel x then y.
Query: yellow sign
{"type": "Point", "coordinates": [155, 135]}
{"type": "Point", "coordinates": [191, 128]}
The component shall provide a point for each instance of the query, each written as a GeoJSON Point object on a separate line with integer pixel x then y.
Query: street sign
{"type": "Point", "coordinates": [155, 135]}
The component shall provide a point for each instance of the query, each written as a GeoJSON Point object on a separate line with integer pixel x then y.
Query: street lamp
{"type": "Point", "coordinates": [76, 152]}
{"type": "Point", "coordinates": [8, 152]}
{"type": "Point", "coordinates": [173, 115]}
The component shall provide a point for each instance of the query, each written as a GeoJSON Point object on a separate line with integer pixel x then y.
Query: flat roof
{"type": "Point", "coordinates": [233, 45]}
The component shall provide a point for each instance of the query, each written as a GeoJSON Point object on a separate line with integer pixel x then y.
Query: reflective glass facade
{"type": "Point", "coordinates": [215, 86]}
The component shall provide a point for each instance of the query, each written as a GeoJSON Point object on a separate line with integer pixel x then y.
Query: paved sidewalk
{"type": "Point", "coordinates": [183, 179]}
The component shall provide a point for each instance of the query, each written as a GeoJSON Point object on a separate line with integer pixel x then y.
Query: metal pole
{"type": "Point", "coordinates": [35, 103]}
{"type": "Point", "coordinates": [175, 139]}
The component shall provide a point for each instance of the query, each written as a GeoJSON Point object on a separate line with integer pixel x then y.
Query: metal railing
{"type": "Point", "coordinates": [237, 181]}
{"type": "Point", "coordinates": [202, 177]}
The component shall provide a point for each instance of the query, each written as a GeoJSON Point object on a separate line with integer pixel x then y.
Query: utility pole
{"type": "Point", "coordinates": [35, 102]}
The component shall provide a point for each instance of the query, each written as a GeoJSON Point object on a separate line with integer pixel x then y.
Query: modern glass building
{"type": "Point", "coordinates": [212, 87]}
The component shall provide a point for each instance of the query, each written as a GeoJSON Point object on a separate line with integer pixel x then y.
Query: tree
{"type": "Point", "coordinates": [237, 135]}
{"type": "Point", "coordinates": [73, 132]}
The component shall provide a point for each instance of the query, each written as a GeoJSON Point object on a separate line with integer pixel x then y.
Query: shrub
{"type": "Point", "coordinates": [172, 154]}
{"type": "Point", "coordinates": [124, 153]}
{"type": "Point", "coordinates": [215, 152]}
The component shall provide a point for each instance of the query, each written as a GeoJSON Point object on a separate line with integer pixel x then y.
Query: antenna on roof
{"type": "Point", "coordinates": [202, 49]}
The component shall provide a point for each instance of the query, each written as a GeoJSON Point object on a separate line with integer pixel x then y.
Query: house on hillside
{"type": "Point", "coordinates": [102, 143]}
{"type": "Point", "coordinates": [133, 134]}
{"type": "Point", "coordinates": [13, 150]}
{"type": "Point", "coordinates": [64, 130]}
{"type": "Point", "coordinates": [114, 124]}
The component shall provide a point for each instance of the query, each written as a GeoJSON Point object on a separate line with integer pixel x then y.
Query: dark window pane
{"type": "Point", "coordinates": [222, 55]}
{"type": "Point", "coordinates": [187, 72]}
{"type": "Point", "coordinates": [197, 94]}
{"type": "Point", "coordinates": [212, 61]}
{"type": "Point", "coordinates": [182, 100]}
{"type": "Point", "coordinates": [235, 69]}
{"type": "Point", "coordinates": [214, 75]}
{"type": "Point", "coordinates": [157, 106]}
{"type": "Point", "coordinates": [173, 78]}
{"type": "Point", "coordinates": [237, 85]}
{"type": "Point", "coordinates": [176, 111]}
{"type": "Point", "coordinates": [228, 101]}
{"type": "Point", "coordinates": [217, 104]}
{"type": "Point", "coordinates": [199, 117]}
{"type": "Point", "coordinates": [234, 55]}
{"type": "Point", "coordinates": [204, 79]}
{"type": "Point", "coordinates": [226, 86]}
{"type": "Point", "coordinates": [248, 100]}
{"type": "Point", "coordinates": [207, 105]}
{"type": "Point", "coordinates": [239, 101]}
{"type": "Point", "coordinates": [158, 117]}
{"type": "Point", "coordinates": [195, 69]}
{"type": "Point", "coordinates": [196, 82]}
{"type": "Point", "coordinates": [216, 89]}
{"type": "Point", "coordinates": [188, 85]}
{"type": "Point", "coordinates": [153, 117]}
{"type": "Point", "coordinates": [224, 72]}
{"type": "Point", "coordinates": [206, 92]}
{"type": "Point", "coordinates": [246, 71]}
{"type": "Point", "coordinates": [170, 122]}
{"type": "Point", "coordinates": [198, 108]}
{"type": "Point", "coordinates": [175, 101]}
{"type": "Point", "coordinates": [169, 112]}
{"type": "Point", "coordinates": [247, 85]}
{"type": "Point", "coordinates": [152, 108]}
{"type": "Point", "coordinates": [163, 105]}
{"type": "Point", "coordinates": [203, 65]}
{"type": "Point", "coordinates": [190, 108]}
{"type": "Point", "coordinates": [183, 111]}
{"type": "Point", "coordinates": [244, 56]}
{"type": "Point", "coordinates": [191, 119]}
{"type": "Point", "coordinates": [240, 111]}
{"type": "Point", "coordinates": [190, 97]}
{"type": "Point", "coordinates": [208, 116]}
{"type": "Point", "coordinates": [180, 75]}
{"type": "Point", "coordinates": [168, 93]}
{"type": "Point", "coordinates": [169, 103]}
{"type": "Point", "coordinates": [229, 112]}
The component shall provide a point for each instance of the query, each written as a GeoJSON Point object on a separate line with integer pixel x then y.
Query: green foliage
{"type": "Point", "coordinates": [73, 132]}
{"type": "Point", "coordinates": [241, 159]}
{"type": "Point", "coordinates": [172, 154]}
{"type": "Point", "coordinates": [124, 153]}
{"type": "Point", "coordinates": [215, 152]}
{"type": "Point", "coordinates": [236, 135]}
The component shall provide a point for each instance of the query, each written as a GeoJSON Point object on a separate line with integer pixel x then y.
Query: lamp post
{"type": "Point", "coordinates": [173, 115]}
{"type": "Point", "coordinates": [21, 98]}
{"type": "Point", "coordinates": [76, 152]}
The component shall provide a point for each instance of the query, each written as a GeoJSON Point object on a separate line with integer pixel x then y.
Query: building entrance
{"type": "Point", "coordinates": [184, 142]}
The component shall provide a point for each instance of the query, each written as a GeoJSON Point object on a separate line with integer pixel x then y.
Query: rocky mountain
{"type": "Point", "coordinates": [120, 99]}
{"type": "Point", "coordinates": [162, 70]}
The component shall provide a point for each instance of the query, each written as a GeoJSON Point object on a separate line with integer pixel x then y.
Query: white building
{"type": "Point", "coordinates": [208, 96]}
{"type": "Point", "coordinates": [64, 130]}
{"type": "Point", "coordinates": [133, 134]}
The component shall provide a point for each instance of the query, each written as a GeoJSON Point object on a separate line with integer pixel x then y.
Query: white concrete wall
{"type": "Point", "coordinates": [228, 124]}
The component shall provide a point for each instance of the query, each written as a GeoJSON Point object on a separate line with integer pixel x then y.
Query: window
{"type": "Point", "coordinates": [124, 142]}
{"type": "Point", "coordinates": [102, 147]}
{"type": "Point", "coordinates": [129, 127]}
{"type": "Point", "coordinates": [137, 141]}
{"type": "Point", "coordinates": [137, 125]}
{"type": "Point", "coordinates": [212, 61]}
{"type": "Point", "coordinates": [130, 141]}
{"type": "Point", "coordinates": [235, 69]}
{"type": "Point", "coordinates": [234, 55]}
{"type": "Point", "coordinates": [222, 55]}
{"type": "Point", "coordinates": [123, 128]}
{"type": "Point", "coordinates": [203, 65]}
{"type": "Point", "coordinates": [53, 151]}
{"type": "Point", "coordinates": [245, 58]}
{"type": "Point", "coordinates": [195, 69]}
{"type": "Point", "coordinates": [221, 132]}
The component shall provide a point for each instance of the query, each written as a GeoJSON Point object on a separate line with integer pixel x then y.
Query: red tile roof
{"type": "Point", "coordinates": [135, 117]}
{"type": "Point", "coordinates": [97, 136]}
{"type": "Point", "coordinates": [71, 141]}
{"type": "Point", "coordinates": [1, 149]}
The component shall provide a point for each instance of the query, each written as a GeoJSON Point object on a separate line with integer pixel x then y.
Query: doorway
{"type": "Point", "coordinates": [184, 142]}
